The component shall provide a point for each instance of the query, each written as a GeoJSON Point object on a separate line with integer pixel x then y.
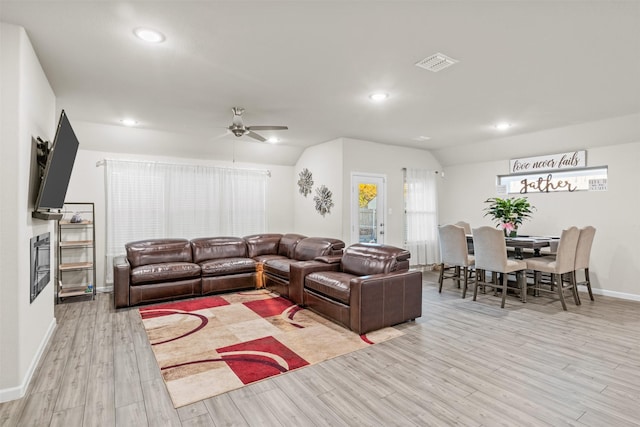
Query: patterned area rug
{"type": "Point", "coordinates": [211, 345]}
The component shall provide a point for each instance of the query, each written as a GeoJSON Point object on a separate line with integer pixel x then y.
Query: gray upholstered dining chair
{"type": "Point", "coordinates": [583, 253]}
{"type": "Point", "coordinates": [560, 267]}
{"type": "Point", "coordinates": [465, 225]}
{"type": "Point", "coordinates": [454, 255]}
{"type": "Point", "coordinates": [491, 255]}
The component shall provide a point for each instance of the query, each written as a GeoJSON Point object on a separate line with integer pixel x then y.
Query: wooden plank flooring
{"type": "Point", "coordinates": [464, 363]}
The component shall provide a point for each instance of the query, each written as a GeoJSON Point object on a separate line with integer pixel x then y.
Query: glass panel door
{"type": "Point", "coordinates": [367, 200]}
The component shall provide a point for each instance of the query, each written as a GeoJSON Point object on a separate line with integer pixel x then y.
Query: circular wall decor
{"type": "Point", "coordinates": [305, 183]}
{"type": "Point", "coordinates": [323, 200]}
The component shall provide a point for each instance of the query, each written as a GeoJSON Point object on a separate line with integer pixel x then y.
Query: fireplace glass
{"type": "Point", "coordinates": [40, 264]}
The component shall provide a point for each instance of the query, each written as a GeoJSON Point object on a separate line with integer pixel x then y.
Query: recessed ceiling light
{"type": "Point", "coordinates": [129, 122]}
{"type": "Point", "coordinates": [503, 126]}
{"type": "Point", "coordinates": [422, 138]}
{"type": "Point", "coordinates": [378, 96]}
{"type": "Point", "coordinates": [273, 140]}
{"type": "Point", "coordinates": [149, 35]}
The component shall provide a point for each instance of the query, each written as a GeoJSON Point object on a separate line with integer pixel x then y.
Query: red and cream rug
{"type": "Point", "coordinates": [211, 345]}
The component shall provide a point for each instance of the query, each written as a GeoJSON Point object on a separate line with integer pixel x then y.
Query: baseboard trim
{"type": "Point", "coordinates": [105, 289]}
{"type": "Point", "coordinates": [614, 294]}
{"type": "Point", "coordinates": [18, 392]}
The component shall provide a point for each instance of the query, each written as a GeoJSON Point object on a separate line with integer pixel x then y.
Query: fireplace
{"type": "Point", "coordinates": [40, 264]}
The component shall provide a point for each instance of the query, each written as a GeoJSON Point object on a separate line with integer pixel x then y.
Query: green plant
{"type": "Point", "coordinates": [509, 213]}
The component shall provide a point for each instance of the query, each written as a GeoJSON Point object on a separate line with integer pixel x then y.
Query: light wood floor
{"type": "Point", "coordinates": [464, 363]}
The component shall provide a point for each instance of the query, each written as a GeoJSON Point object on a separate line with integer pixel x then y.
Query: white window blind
{"type": "Point", "coordinates": [156, 200]}
{"type": "Point", "coordinates": [421, 219]}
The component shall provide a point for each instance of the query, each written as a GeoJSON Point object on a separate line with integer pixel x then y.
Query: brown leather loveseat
{"type": "Point", "coordinates": [156, 270]}
{"type": "Point", "coordinates": [367, 288]}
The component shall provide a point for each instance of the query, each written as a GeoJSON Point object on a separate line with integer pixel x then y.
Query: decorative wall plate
{"type": "Point", "coordinates": [323, 200]}
{"type": "Point", "coordinates": [305, 183]}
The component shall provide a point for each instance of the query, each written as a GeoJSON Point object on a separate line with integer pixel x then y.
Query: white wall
{"type": "Point", "coordinates": [28, 111]}
{"type": "Point", "coordinates": [615, 263]}
{"type": "Point", "coordinates": [324, 161]}
{"type": "Point", "coordinates": [87, 185]}
{"type": "Point", "coordinates": [332, 164]}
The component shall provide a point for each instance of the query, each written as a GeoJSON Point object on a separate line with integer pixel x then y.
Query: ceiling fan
{"type": "Point", "coordinates": [239, 129]}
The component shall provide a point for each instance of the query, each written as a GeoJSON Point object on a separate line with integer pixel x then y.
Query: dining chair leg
{"type": "Point", "coordinates": [479, 279]}
{"type": "Point", "coordinates": [536, 283]}
{"type": "Point", "coordinates": [466, 282]}
{"type": "Point", "coordinates": [504, 289]}
{"type": "Point", "coordinates": [457, 275]}
{"type": "Point", "coordinates": [441, 278]}
{"type": "Point", "coordinates": [588, 282]}
{"type": "Point", "coordinates": [557, 279]}
{"type": "Point", "coordinates": [574, 288]}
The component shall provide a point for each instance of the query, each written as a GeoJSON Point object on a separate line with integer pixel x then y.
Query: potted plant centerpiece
{"type": "Point", "coordinates": [509, 213]}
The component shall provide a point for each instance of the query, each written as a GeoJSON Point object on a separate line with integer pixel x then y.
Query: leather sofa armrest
{"type": "Point", "coordinates": [329, 259]}
{"type": "Point", "coordinates": [299, 270]}
{"type": "Point", "coordinates": [121, 275]}
{"type": "Point", "coordinates": [382, 300]}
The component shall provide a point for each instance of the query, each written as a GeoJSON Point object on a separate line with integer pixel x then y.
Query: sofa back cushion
{"type": "Point", "coordinates": [363, 259]}
{"type": "Point", "coordinates": [156, 251]}
{"type": "Point", "coordinates": [288, 244]}
{"type": "Point", "coordinates": [207, 248]}
{"type": "Point", "coordinates": [312, 247]}
{"type": "Point", "coordinates": [262, 244]}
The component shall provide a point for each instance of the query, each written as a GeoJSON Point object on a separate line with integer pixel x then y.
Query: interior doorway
{"type": "Point", "coordinates": [367, 208]}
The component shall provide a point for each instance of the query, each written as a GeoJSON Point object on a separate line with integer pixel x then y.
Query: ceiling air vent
{"type": "Point", "coordinates": [436, 62]}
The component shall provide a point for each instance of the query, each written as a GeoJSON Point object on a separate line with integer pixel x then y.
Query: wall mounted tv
{"type": "Point", "coordinates": [57, 172]}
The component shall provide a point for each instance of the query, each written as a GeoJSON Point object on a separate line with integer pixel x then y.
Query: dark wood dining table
{"type": "Point", "coordinates": [523, 242]}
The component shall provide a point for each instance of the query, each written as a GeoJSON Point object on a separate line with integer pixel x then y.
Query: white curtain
{"type": "Point", "coordinates": [421, 218]}
{"type": "Point", "coordinates": [157, 200]}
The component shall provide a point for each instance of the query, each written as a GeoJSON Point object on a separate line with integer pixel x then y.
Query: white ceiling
{"type": "Point", "coordinates": [311, 65]}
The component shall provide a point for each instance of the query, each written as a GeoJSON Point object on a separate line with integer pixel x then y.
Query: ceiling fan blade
{"type": "Point", "coordinates": [255, 136]}
{"type": "Point", "coordinates": [267, 127]}
{"type": "Point", "coordinates": [222, 135]}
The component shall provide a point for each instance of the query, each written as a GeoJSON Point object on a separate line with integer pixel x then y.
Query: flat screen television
{"type": "Point", "coordinates": [57, 172]}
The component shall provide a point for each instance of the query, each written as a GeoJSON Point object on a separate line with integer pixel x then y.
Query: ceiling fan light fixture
{"type": "Point", "coordinates": [378, 96]}
{"type": "Point", "coordinates": [502, 126]}
{"type": "Point", "coordinates": [148, 35]}
{"type": "Point", "coordinates": [273, 140]}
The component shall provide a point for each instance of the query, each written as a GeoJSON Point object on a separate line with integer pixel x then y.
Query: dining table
{"type": "Point", "coordinates": [518, 243]}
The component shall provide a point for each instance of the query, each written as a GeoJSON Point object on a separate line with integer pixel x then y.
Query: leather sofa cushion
{"type": "Point", "coordinates": [312, 247]}
{"type": "Point", "coordinates": [156, 251]}
{"type": "Point", "coordinates": [288, 244]}
{"type": "Point", "coordinates": [362, 259]}
{"type": "Point", "coordinates": [279, 266]}
{"type": "Point", "coordinates": [262, 244]}
{"type": "Point", "coordinates": [225, 266]}
{"type": "Point", "coordinates": [218, 247]}
{"type": "Point", "coordinates": [332, 284]}
{"type": "Point", "coordinates": [164, 272]}
{"type": "Point", "coordinates": [266, 257]}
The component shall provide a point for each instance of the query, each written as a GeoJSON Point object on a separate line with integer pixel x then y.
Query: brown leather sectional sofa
{"type": "Point", "coordinates": [164, 269]}
{"type": "Point", "coordinates": [364, 287]}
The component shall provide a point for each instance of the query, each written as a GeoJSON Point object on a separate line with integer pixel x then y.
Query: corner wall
{"type": "Point", "coordinates": [332, 164]}
{"type": "Point", "coordinates": [27, 111]}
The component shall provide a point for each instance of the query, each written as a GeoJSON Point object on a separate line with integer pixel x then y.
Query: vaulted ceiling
{"type": "Point", "coordinates": [311, 65]}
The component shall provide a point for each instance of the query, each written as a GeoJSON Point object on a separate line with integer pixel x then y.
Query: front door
{"type": "Point", "coordinates": [367, 208]}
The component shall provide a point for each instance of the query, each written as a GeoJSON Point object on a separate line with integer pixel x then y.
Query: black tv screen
{"type": "Point", "coordinates": [57, 173]}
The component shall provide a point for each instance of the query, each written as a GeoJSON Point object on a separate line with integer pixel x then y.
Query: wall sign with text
{"type": "Point", "coordinates": [583, 179]}
{"type": "Point", "coordinates": [550, 162]}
